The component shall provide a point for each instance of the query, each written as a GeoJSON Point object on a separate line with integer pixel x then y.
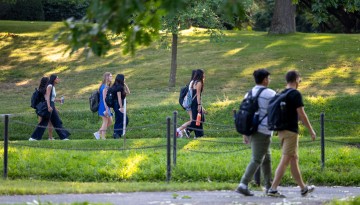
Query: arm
{"type": "Point", "coordinates": [48, 98]}
{"type": "Point", "coordinates": [198, 95]}
{"type": "Point", "coordinates": [104, 96]}
{"type": "Point", "coordinates": [303, 117]}
{"type": "Point", "coordinates": [127, 90]}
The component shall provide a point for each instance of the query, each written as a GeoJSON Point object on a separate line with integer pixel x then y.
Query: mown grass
{"type": "Point", "coordinates": [329, 64]}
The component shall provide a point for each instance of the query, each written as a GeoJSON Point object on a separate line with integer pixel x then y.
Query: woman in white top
{"type": "Point", "coordinates": [50, 97]}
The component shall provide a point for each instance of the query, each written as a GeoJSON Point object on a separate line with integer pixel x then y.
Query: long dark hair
{"type": "Point", "coordinates": [52, 79]}
{"type": "Point", "coordinates": [120, 83]}
{"type": "Point", "coordinates": [43, 83]}
{"type": "Point", "coordinates": [199, 77]}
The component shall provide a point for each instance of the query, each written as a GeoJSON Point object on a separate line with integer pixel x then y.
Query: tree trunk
{"type": "Point", "coordinates": [283, 21]}
{"type": "Point", "coordinates": [172, 79]}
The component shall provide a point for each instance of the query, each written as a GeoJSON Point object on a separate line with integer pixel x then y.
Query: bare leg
{"type": "Point", "coordinates": [280, 171]}
{"type": "Point", "coordinates": [103, 128]}
{"type": "Point", "coordinates": [295, 172]}
{"type": "Point", "coordinates": [186, 123]}
{"type": "Point", "coordinates": [50, 130]}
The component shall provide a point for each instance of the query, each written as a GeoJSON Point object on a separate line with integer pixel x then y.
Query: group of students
{"type": "Point", "coordinates": [260, 140]}
{"type": "Point", "coordinates": [120, 90]}
{"type": "Point", "coordinates": [47, 93]}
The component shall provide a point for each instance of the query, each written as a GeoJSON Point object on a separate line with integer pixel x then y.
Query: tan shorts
{"type": "Point", "coordinates": [289, 142]}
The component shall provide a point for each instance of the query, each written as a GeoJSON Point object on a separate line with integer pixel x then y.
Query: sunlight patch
{"type": "Point", "coordinates": [24, 82]}
{"type": "Point", "coordinates": [131, 166]}
{"type": "Point", "coordinates": [191, 145]}
{"type": "Point", "coordinates": [233, 52]}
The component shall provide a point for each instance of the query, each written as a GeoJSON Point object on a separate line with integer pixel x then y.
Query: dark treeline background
{"type": "Point", "coordinates": [311, 15]}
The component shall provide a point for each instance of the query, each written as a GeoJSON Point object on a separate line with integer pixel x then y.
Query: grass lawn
{"type": "Point", "coordinates": [330, 68]}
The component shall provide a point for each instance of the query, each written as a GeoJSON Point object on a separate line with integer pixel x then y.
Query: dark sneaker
{"type": "Point", "coordinates": [244, 191]}
{"type": "Point", "coordinates": [116, 136]}
{"type": "Point", "coordinates": [274, 193]}
{"type": "Point", "coordinates": [307, 189]}
{"type": "Point", "coordinates": [187, 133]}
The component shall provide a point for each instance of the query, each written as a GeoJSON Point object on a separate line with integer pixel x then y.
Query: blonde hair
{"type": "Point", "coordinates": [106, 80]}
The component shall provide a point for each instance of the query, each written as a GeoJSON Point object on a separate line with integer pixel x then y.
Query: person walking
{"type": "Point", "coordinates": [196, 87]}
{"type": "Point", "coordinates": [50, 97]}
{"type": "Point", "coordinates": [121, 89]}
{"type": "Point", "coordinates": [261, 139]}
{"type": "Point", "coordinates": [42, 90]}
{"type": "Point", "coordinates": [289, 137]}
{"type": "Point", "coordinates": [104, 111]}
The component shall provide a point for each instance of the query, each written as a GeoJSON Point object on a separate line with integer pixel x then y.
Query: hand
{"type": "Point", "coordinates": [199, 108]}
{"type": "Point", "coordinates": [245, 139]}
{"type": "Point", "coordinates": [121, 109]}
{"type": "Point", "coordinates": [50, 109]}
{"type": "Point", "coordinates": [313, 135]}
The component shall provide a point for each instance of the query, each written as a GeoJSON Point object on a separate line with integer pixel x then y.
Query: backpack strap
{"type": "Point", "coordinates": [256, 98]}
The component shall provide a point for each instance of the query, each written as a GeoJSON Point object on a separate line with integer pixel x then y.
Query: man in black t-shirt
{"type": "Point", "coordinates": [289, 137]}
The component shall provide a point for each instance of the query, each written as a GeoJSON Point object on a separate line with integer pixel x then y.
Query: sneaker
{"type": "Point", "coordinates": [244, 191]}
{"type": "Point", "coordinates": [65, 139]}
{"type": "Point", "coordinates": [32, 139]}
{"type": "Point", "coordinates": [307, 189]}
{"type": "Point", "coordinates": [187, 133]}
{"type": "Point", "coordinates": [97, 135]}
{"type": "Point", "coordinates": [179, 133]}
{"type": "Point", "coordinates": [116, 136]}
{"type": "Point", "coordinates": [51, 138]}
{"type": "Point", "coordinates": [274, 193]}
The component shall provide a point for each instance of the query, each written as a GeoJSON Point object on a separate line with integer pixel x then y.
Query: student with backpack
{"type": "Point", "coordinates": [104, 111]}
{"type": "Point", "coordinates": [119, 91]}
{"type": "Point", "coordinates": [193, 106]}
{"type": "Point", "coordinates": [50, 97]}
{"type": "Point", "coordinates": [293, 108]}
{"type": "Point", "coordinates": [260, 138]}
{"type": "Point", "coordinates": [40, 97]}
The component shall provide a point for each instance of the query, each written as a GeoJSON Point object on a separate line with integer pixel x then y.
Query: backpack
{"type": "Point", "coordinates": [35, 98]}
{"type": "Point", "coordinates": [94, 101]}
{"type": "Point", "coordinates": [110, 97]}
{"type": "Point", "coordinates": [247, 117]}
{"type": "Point", "coordinates": [188, 98]}
{"type": "Point", "coordinates": [277, 111]}
{"type": "Point", "coordinates": [183, 91]}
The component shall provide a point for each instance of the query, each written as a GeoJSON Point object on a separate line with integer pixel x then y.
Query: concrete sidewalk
{"type": "Point", "coordinates": [319, 196]}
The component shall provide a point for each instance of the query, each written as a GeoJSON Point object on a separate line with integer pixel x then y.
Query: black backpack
{"type": "Point", "coordinates": [277, 111]}
{"type": "Point", "coordinates": [35, 98]}
{"type": "Point", "coordinates": [94, 101]}
{"type": "Point", "coordinates": [247, 117]}
{"type": "Point", "coordinates": [110, 97]}
{"type": "Point", "coordinates": [183, 91]}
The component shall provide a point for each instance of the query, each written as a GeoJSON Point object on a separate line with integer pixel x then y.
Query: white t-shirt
{"type": "Point", "coordinates": [53, 96]}
{"type": "Point", "coordinates": [263, 101]}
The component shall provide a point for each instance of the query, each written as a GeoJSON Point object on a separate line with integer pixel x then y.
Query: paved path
{"type": "Point", "coordinates": [319, 196]}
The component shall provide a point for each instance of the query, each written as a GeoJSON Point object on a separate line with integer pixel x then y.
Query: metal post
{"type": "Point", "coordinates": [322, 124]}
{"type": "Point", "coordinates": [175, 139]}
{"type": "Point", "coordinates": [6, 144]}
{"type": "Point", "coordinates": [168, 173]}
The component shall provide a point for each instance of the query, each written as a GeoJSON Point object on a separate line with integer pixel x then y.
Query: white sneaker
{"type": "Point", "coordinates": [97, 135]}
{"type": "Point", "coordinates": [179, 133]}
{"type": "Point", "coordinates": [32, 139]}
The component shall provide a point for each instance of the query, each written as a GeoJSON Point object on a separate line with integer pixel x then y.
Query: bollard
{"type": "Point", "coordinates": [6, 144]}
{"type": "Point", "coordinates": [175, 138]}
{"type": "Point", "coordinates": [168, 170]}
{"type": "Point", "coordinates": [322, 124]}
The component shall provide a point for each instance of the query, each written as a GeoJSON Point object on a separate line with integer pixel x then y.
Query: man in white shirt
{"type": "Point", "coordinates": [261, 139]}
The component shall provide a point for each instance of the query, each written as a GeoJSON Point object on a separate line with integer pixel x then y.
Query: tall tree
{"type": "Point", "coordinates": [283, 20]}
{"type": "Point", "coordinates": [195, 13]}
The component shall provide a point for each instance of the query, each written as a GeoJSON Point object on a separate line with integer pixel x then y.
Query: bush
{"type": "Point", "coordinates": [63, 9]}
{"type": "Point", "coordinates": [31, 10]}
